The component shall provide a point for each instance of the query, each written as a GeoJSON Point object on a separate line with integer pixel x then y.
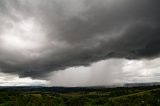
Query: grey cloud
{"type": "Point", "coordinates": [82, 32]}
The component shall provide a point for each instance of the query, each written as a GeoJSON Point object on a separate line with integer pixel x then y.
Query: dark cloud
{"type": "Point", "coordinates": [81, 32]}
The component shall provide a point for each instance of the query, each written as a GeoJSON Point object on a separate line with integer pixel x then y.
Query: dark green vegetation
{"type": "Point", "coordinates": [57, 96]}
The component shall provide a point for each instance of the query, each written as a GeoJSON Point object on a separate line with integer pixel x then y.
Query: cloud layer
{"type": "Point", "coordinates": [38, 37]}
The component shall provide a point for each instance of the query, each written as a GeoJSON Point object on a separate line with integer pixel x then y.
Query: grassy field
{"type": "Point", "coordinates": [135, 96]}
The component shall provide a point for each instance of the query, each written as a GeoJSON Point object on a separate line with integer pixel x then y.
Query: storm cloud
{"type": "Point", "coordinates": [38, 37]}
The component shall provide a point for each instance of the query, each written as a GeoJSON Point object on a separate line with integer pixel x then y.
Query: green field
{"type": "Point", "coordinates": [137, 96]}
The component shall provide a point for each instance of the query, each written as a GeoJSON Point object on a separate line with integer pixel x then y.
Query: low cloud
{"type": "Point", "coordinates": [14, 80]}
{"type": "Point", "coordinates": [38, 37]}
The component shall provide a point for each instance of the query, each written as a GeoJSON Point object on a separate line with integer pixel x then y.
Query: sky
{"type": "Point", "coordinates": [79, 42]}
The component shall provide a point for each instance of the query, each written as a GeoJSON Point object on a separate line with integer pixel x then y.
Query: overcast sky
{"type": "Point", "coordinates": [79, 42]}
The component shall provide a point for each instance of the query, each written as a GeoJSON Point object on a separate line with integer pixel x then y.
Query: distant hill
{"type": "Point", "coordinates": [141, 84]}
{"type": "Point", "coordinates": [74, 89]}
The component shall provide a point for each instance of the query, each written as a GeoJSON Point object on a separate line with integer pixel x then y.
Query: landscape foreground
{"type": "Point", "coordinates": [91, 96]}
